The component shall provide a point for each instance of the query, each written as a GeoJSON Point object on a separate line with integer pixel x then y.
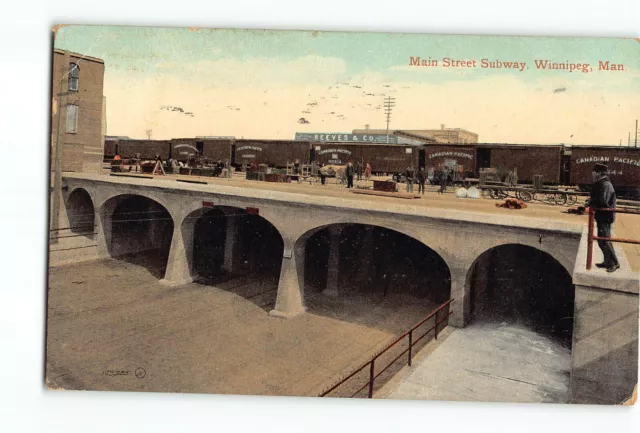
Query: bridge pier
{"type": "Point", "coordinates": [289, 301]}
{"type": "Point", "coordinates": [178, 270]}
{"type": "Point", "coordinates": [229, 244]}
{"type": "Point", "coordinates": [365, 267]}
{"type": "Point", "coordinates": [460, 295]}
{"type": "Point", "coordinates": [333, 265]}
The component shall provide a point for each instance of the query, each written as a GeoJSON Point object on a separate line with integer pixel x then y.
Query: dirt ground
{"type": "Point", "coordinates": [112, 326]}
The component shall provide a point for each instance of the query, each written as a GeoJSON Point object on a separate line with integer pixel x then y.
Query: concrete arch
{"type": "Point", "coordinates": [232, 234]}
{"type": "Point", "coordinates": [555, 270]}
{"type": "Point", "coordinates": [421, 236]}
{"type": "Point", "coordinates": [153, 229]}
{"type": "Point", "coordinates": [108, 200]}
{"type": "Point", "coordinates": [558, 257]}
{"type": "Point", "coordinates": [300, 245]}
{"type": "Point", "coordinates": [81, 212]}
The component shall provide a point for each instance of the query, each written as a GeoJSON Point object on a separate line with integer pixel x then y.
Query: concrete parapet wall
{"type": "Point", "coordinates": [605, 346]}
{"type": "Point", "coordinates": [605, 332]}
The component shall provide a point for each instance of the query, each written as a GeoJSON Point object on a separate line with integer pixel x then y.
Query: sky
{"type": "Point", "coordinates": [180, 82]}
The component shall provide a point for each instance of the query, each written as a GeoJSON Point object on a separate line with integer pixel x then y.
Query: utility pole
{"type": "Point", "coordinates": [389, 103]}
{"type": "Point", "coordinates": [629, 140]}
{"type": "Point", "coordinates": [57, 161]}
{"type": "Point", "coordinates": [636, 145]}
{"type": "Point", "coordinates": [148, 132]}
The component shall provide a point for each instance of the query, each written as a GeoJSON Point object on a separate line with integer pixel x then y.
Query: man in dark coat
{"type": "Point", "coordinates": [408, 174]}
{"type": "Point", "coordinates": [350, 172]}
{"type": "Point", "coordinates": [443, 182]}
{"type": "Point", "coordinates": [422, 179]}
{"type": "Point", "coordinates": [604, 196]}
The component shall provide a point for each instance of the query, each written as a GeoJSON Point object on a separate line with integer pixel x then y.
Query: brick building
{"type": "Point", "coordinates": [77, 91]}
{"type": "Point", "coordinates": [442, 135]}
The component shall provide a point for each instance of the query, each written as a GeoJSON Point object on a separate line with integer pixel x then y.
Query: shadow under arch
{"type": "Point", "coordinates": [523, 285]}
{"type": "Point", "coordinates": [138, 230]}
{"type": "Point", "coordinates": [81, 213]}
{"type": "Point", "coordinates": [238, 251]}
{"type": "Point", "coordinates": [361, 265]}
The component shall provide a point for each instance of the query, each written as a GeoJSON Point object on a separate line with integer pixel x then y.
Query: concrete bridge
{"type": "Point", "coordinates": [134, 215]}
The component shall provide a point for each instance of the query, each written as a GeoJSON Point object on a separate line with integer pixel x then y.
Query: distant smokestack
{"type": "Point", "coordinates": [442, 126]}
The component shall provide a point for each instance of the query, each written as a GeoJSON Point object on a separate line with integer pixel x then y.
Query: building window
{"type": "Point", "coordinates": [72, 119]}
{"type": "Point", "coordinates": [74, 77]}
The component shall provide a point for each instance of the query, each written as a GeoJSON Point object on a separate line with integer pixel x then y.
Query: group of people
{"type": "Point", "coordinates": [442, 178]}
{"type": "Point", "coordinates": [350, 171]}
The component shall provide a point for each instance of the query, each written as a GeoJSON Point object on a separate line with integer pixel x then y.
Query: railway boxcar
{"type": "Point", "coordinates": [148, 149]}
{"type": "Point", "coordinates": [110, 148]}
{"type": "Point", "coordinates": [276, 153]}
{"type": "Point", "coordinates": [211, 149]}
{"type": "Point", "coordinates": [336, 153]}
{"type": "Point", "coordinates": [623, 163]}
{"type": "Point", "coordinates": [460, 157]}
{"type": "Point", "coordinates": [383, 158]}
{"type": "Point", "coordinates": [390, 158]}
{"type": "Point", "coordinates": [529, 160]}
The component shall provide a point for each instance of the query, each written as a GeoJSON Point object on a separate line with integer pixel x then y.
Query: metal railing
{"type": "Point", "coordinates": [592, 237]}
{"type": "Point", "coordinates": [444, 318]}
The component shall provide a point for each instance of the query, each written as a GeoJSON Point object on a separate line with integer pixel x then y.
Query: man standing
{"type": "Point", "coordinates": [443, 182]}
{"type": "Point", "coordinates": [323, 173]}
{"type": "Point", "coordinates": [409, 179]}
{"type": "Point", "coordinates": [350, 172]}
{"type": "Point", "coordinates": [422, 179]}
{"type": "Point", "coordinates": [604, 196]}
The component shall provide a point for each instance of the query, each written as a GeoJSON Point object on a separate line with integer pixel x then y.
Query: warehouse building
{"type": "Point", "coordinates": [442, 135]}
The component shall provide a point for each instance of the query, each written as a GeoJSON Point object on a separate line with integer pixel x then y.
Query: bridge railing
{"type": "Point", "coordinates": [592, 237]}
{"type": "Point", "coordinates": [409, 339]}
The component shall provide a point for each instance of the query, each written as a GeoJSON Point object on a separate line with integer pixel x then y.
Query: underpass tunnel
{"type": "Point", "coordinates": [81, 213]}
{"type": "Point", "coordinates": [141, 232]}
{"type": "Point", "coordinates": [522, 285]}
{"type": "Point", "coordinates": [344, 259]}
{"type": "Point", "coordinates": [228, 241]}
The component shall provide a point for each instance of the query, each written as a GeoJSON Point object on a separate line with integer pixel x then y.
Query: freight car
{"type": "Point", "coordinates": [148, 149]}
{"type": "Point", "coordinates": [110, 148]}
{"type": "Point", "coordinates": [529, 160]}
{"type": "Point", "coordinates": [623, 163]}
{"type": "Point", "coordinates": [211, 149]}
{"type": "Point", "coordinates": [383, 158]}
{"type": "Point", "coordinates": [275, 153]}
{"type": "Point", "coordinates": [459, 158]}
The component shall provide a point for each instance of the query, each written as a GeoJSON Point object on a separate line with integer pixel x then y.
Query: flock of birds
{"type": "Point", "coordinates": [315, 104]}
{"type": "Point", "coordinates": [324, 101]}
{"type": "Point", "coordinates": [177, 110]}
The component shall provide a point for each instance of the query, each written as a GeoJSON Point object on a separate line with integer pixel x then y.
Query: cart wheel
{"type": "Point", "coordinates": [572, 199]}
{"type": "Point", "coordinates": [525, 196]}
{"type": "Point", "coordinates": [502, 194]}
{"type": "Point", "coordinates": [560, 198]}
{"type": "Point", "coordinates": [517, 193]}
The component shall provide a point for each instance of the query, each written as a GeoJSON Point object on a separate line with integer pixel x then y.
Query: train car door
{"type": "Point", "coordinates": [565, 173]}
{"type": "Point", "coordinates": [200, 147]}
{"type": "Point", "coordinates": [421, 158]}
{"type": "Point", "coordinates": [233, 155]}
{"type": "Point", "coordinates": [312, 154]}
{"type": "Point", "coordinates": [483, 159]}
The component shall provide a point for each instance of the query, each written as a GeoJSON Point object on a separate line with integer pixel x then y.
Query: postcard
{"type": "Point", "coordinates": [342, 214]}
